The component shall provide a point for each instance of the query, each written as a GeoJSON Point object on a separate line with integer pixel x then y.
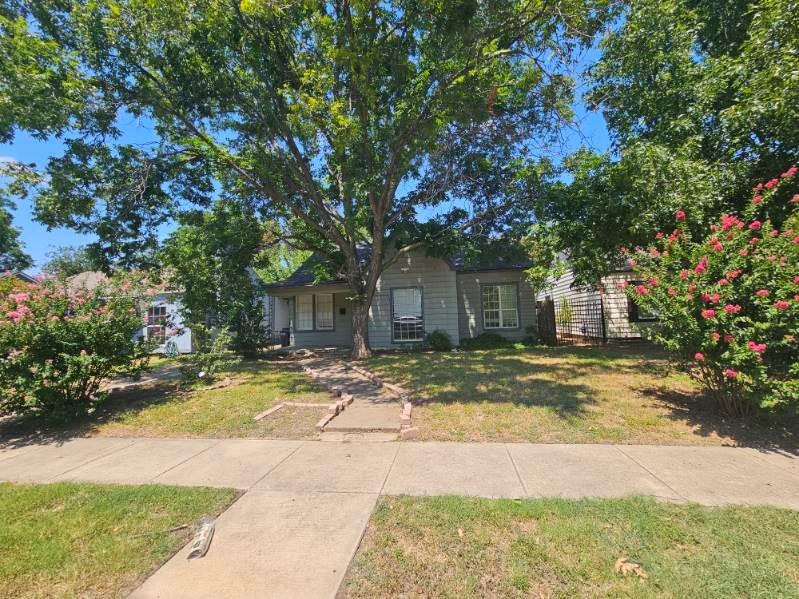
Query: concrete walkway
{"type": "Point", "coordinates": [307, 503]}
{"type": "Point", "coordinates": [372, 409]}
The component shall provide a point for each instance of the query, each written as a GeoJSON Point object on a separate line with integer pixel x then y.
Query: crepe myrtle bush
{"type": "Point", "coordinates": [58, 346]}
{"type": "Point", "coordinates": [728, 298]}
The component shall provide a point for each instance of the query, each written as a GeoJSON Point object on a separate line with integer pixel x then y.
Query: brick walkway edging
{"type": "Point", "coordinates": [407, 430]}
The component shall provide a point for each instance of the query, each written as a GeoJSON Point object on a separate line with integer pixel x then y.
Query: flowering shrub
{"type": "Point", "coordinates": [729, 303]}
{"type": "Point", "coordinates": [56, 348]}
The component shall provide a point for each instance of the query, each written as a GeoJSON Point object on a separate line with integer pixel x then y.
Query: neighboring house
{"type": "Point", "coordinates": [623, 318]}
{"type": "Point", "coordinates": [416, 295]}
{"type": "Point", "coordinates": [164, 322]}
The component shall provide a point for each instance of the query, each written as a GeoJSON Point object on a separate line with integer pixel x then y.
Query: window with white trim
{"type": "Point", "coordinates": [407, 319]}
{"type": "Point", "coordinates": [324, 312]}
{"type": "Point", "coordinates": [304, 311]}
{"type": "Point", "coordinates": [156, 322]}
{"type": "Point", "coordinates": [500, 306]}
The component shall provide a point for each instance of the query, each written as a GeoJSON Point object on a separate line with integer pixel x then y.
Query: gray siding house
{"type": "Point", "coordinates": [416, 295]}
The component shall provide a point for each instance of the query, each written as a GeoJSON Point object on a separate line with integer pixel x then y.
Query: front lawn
{"type": "Point", "coordinates": [84, 540]}
{"type": "Point", "coordinates": [226, 409]}
{"type": "Point", "coordinates": [568, 395]}
{"type": "Point", "coordinates": [461, 547]}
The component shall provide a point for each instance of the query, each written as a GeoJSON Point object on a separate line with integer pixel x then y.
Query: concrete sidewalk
{"type": "Point", "coordinates": [307, 503]}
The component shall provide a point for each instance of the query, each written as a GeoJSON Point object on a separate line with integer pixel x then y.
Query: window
{"type": "Point", "coordinates": [324, 312]}
{"type": "Point", "coordinates": [637, 313]}
{"type": "Point", "coordinates": [304, 312]}
{"type": "Point", "coordinates": [407, 320]}
{"type": "Point", "coordinates": [500, 306]}
{"type": "Point", "coordinates": [156, 322]}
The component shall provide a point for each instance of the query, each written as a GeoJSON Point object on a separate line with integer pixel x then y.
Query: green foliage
{"type": "Point", "coordinates": [56, 349]}
{"type": "Point", "coordinates": [12, 252]}
{"type": "Point", "coordinates": [485, 341]}
{"type": "Point", "coordinates": [439, 341]}
{"type": "Point", "coordinates": [66, 261]}
{"type": "Point", "coordinates": [338, 121]}
{"type": "Point", "coordinates": [212, 355]}
{"type": "Point", "coordinates": [565, 313]}
{"type": "Point", "coordinates": [208, 259]}
{"type": "Point", "coordinates": [702, 100]}
{"type": "Point", "coordinates": [728, 300]}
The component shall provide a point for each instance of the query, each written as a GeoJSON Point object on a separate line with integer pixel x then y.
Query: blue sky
{"type": "Point", "coordinates": [39, 241]}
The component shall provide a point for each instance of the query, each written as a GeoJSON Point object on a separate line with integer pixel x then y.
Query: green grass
{"type": "Point", "coordinates": [221, 412]}
{"type": "Point", "coordinates": [84, 540]}
{"type": "Point", "coordinates": [461, 547]}
{"type": "Point", "coordinates": [568, 395]}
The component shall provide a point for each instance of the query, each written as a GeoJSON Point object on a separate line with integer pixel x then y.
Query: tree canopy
{"type": "Point", "coordinates": [12, 252]}
{"type": "Point", "coordinates": [339, 120]}
{"type": "Point", "coordinates": [702, 102]}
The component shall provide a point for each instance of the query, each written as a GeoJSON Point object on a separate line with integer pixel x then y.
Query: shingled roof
{"type": "Point", "coordinates": [496, 256]}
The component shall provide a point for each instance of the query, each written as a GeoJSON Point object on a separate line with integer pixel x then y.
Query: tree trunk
{"type": "Point", "coordinates": [360, 330]}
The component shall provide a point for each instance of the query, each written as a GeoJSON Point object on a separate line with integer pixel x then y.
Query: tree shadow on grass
{"type": "Point", "coordinates": [493, 377]}
{"type": "Point", "coordinates": [129, 401]}
{"type": "Point", "coordinates": [769, 431]}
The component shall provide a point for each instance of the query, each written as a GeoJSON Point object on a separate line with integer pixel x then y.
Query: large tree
{"type": "Point", "coordinates": [701, 98]}
{"type": "Point", "coordinates": [339, 120]}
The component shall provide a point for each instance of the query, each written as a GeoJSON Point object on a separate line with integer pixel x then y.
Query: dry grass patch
{"type": "Point", "coordinates": [159, 409]}
{"type": "Point", "coordinates": [568, 395]}
{"type": "Point", "coordinates": [463, 547]}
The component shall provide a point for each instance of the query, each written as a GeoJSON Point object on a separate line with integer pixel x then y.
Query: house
{"type": "Point", "coordinates": [164, 322]}
{"type": "Point", "coordinates": [602, 311]}
{"type": "Point", "coordinates": [416, 295]}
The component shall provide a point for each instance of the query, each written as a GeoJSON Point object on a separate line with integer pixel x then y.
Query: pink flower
{"type": "Point", "coordinates": [755, 225]}
{"type": "Point", "coordinates": [653, 282]}
{"type": "Point", "coordinates": [622, 285]}
{"type": "Point", "coordinates": [743, 252]}
{"type": "Point", "coordinates": [734, 274]}
{"type": "Point", "coordinates": [723, 282]}
{"type": "Point", "coordinates": [789, 173]}
{"type": "Point", "coordinates": [772, 258]}
{"type": "Point", "coordinates": [54, 318]}
{"type": "Point", "coordinates": [709, 313]}
{"type": "Point", "coordinates": [699, 357]}
{"type": "Point", "coordinates": [771, 184]}
{"type": "Point", "coordinates": [796, 280]}
{"type": "Point", "coordinates": [796, 239]}
{"type": "Point", "coordinates": [716, 245]}
{"type": "Point", "coordinates": [762, 292]}
{"type": "Point", "coordinates": [732, 308]}
{"type": "Point", "coordinates": [715, 336]}
{"type": "Point", "coordinates": [795, 198]}
{"type": "Point", "coordinates": [781, 305]}
{"type": "Point", "coordinates": [641, 290]}
{"type": "Point", "coordinates": [679, 215]}
{"type": "Point", "coordinates": [758, 348]}
{"type": "Point", "coordinates": [728, 338]}
{"type": "Point", "coordinates": [683, 274]}
{"type": "Point", "coordinates": [659, 235]}
{"type": "Point", "coordinates": [730, 373]}
{"type": "Point", "coordinates": [753, 241]}
{"type": "Point", "coordinates": [757, 199]}
{"type": "Point", "coordinates": [692, 287]}
{"type": "Point", "coordinates": [672, 291]}
{"type": "Point", "coordinates": [702, 266]}
{"type": "Point", "coordinates": [20, 297]}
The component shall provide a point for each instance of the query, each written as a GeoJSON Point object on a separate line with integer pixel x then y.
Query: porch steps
{"type": "Point", "coordinates": [360, 418]}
